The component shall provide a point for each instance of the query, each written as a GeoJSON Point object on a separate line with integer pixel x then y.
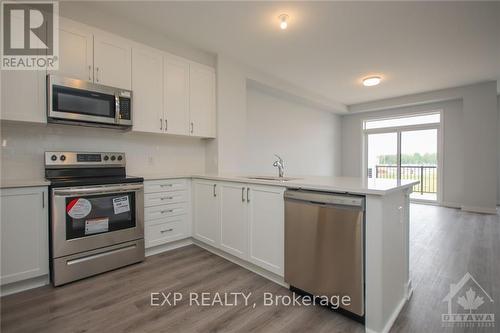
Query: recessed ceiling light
{"type": "Point", "coordinates": [283, 21]}
{"type": "Point", "coordinates": [371, 81]}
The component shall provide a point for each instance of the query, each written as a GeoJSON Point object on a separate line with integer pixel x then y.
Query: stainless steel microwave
{"type": "Point", "coordinates": [79, 102]}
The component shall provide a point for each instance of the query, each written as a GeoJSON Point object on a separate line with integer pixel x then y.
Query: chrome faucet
{"type": "Point", "coordinates": [279, 164]}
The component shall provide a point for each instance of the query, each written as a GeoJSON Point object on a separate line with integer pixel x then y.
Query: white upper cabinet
{"type": "Point", "coordinates": [24, 234]}
{"type": "Point", "coordinates": [202, 101]}
{"type": "Point", "coordinates": [76, 51]}
{"type": "Point", "coordinates": [23, 94]}
{"type": "Point", "coordinates": [112, 61]}
{"type": "Point", "coordinates": [176, 95]}
{"type": "Point", "coordinates": [170, 94]}
{"type": "Point", "coordinates": [233, 219]}
{"type": "Point", "coordinates": [206, 212]}
{"type": "Point", "coordinates": [147, 84]}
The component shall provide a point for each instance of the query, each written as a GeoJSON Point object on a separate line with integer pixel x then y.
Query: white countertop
{"type": "Point", "coordinates": [12, 183]}
{"type": "Point", "coordinates": [352, 185]}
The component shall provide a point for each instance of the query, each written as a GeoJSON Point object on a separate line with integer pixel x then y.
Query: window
{"type": "Point", "coordinates": [421, 119]}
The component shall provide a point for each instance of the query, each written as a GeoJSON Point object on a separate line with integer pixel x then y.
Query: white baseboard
{"type": "Point", "coordinates": [451, 205]}
{"type": "Point", "coordinates": [245, 264]}
{"type": "Point", "coordinates": [482, 210]}
{"type": "Point", "coordinates": [169, 246]}
{"type": "Point", "coordinates": [17, 287]}
{"type": "Point", "coordinates": [391, 320]}
{"type": "Point", "coordinates": [408, 290]}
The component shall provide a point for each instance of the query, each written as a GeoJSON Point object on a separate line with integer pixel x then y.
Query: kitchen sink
{"type": "Point", "coordinates": [283, 179]}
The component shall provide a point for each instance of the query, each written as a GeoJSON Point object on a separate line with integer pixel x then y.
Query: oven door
{"type": "Point", "coordinates": [90, 217]}
{"type": "Point", "coordinates": [77, 100]}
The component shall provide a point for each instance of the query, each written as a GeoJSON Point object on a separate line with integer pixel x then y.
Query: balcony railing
{"type": "Point", "coordinates": [426, 174]}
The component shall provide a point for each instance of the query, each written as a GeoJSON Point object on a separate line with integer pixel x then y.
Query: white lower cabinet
{"type": "Point", "coordinates": [233, 219]}
{"type": "Point", "coordinates": [206, 212]}
{"type": "Point", "coordinates": [24, 233]}
{"type": "Point", "coordinates": [266, 227]}
{"type": "Point", "coordinates": [244, 220]}
{"type": "Point", "coordinates": [167, 211]}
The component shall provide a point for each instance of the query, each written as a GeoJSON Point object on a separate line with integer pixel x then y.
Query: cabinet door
{"type": "Point", "coordinates": [75, 51]}
{"type": "Point", "coordinates": [202, 101]}
{"type": "Point", "coordinates": [112, 61]}
{"type": "Point", "coordinates": [266, 227]}
{"type": "Point", "coordinates": [23, 93]}
{"type": "Point", "coordinates": [147, 89]}
{"type": "Point", "coordinates": [176, 94]}
{"type": "Point", "coordinates": [206, 212]}
{"type": "Point", "coordinates": [233, 219]}
{"type": "Point", "coordinates": [24, 234]}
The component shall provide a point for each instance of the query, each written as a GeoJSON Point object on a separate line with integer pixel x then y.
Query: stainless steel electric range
{"type": "Point", "coordinates": [96, 214]}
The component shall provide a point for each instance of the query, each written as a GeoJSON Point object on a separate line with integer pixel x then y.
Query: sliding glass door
{"type": "Point", "coordinates": [408, 150]}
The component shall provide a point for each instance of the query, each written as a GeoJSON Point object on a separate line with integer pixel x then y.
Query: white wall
{"type": "Point", "coordinates": [471, 147]}
{"type": "Point", "coordinates": [307, 139]}
{"type": "Point", "coordinates": [246, 139]}
{"type": "Point", "coordinates": [498, 149]}
{"type": "Point", "coordinates": [25, 144]}
{"type": "Point", "coordinates": [352, 144]}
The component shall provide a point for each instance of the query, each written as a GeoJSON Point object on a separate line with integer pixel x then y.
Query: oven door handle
{"type": "Point", "coordinates": [97, 190]}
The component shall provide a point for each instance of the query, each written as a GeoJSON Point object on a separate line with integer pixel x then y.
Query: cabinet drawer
{"type": "Point", "coordinates": [166, 230]}
{"type": "Point", "coordinates": [158, 212]}
{"type": "Point", "coordinates": [162, 198]}
{"type": "Point", "coordinates": [167, 185]}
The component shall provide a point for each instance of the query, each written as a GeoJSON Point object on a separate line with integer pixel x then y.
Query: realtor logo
{"type": "Point", "coordinates": [30, 35]}
{"type": "Point", "coordinates": [467, 302]}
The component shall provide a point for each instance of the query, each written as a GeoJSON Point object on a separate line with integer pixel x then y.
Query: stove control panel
{"type": "Point", "coordinates": [83, 159]}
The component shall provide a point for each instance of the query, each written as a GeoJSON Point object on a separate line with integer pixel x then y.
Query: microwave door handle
{"type": "Point", "coordinates": [94, 190]}
{"type": "Point", "coordinates": [117, 109]}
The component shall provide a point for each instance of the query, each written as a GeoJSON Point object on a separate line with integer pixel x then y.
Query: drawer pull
{"type": "Point", "coordinates": [167, 211]}
{"type": "Point", "coordinates": [166, 198]}
{"type": "Point", "coordinates": [166, 185]}
{"type": "Point", "coordinates": [167, 230]}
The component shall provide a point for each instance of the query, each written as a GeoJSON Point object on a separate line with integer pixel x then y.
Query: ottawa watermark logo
{"type": "Point", "coordinates": [468, 305]}
{"type": "Point", "coordinates": [30, 35]}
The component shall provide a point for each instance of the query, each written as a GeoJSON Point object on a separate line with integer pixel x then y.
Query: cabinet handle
{"type": "Point", "coordinates": [215, 194]}
{"type": "Point", "coordinates": [166, 185]}
{"type": "Point", "coordinates": [167, 230]}
{"type": "Point", "coordinates": [97, 74]}
{"type": "Point", "coordinates": [166, 198]}
{"type": "Point", "coordinates": [166, 124]}
{"type": "Point", "coordinates": [43, 199]}
{"type": "Point", "coordinates": [192, 127]}
{"type": "Point", "coordinates": [166, 211]}
{"type": "Point", "coordinates": [248, 194]}
{"type": "Point", "coordinates": [161, 124]}
{"type": "Point", "coordinates": [243, 194]}
{"type": "Point", "coordinates": [90, 73]}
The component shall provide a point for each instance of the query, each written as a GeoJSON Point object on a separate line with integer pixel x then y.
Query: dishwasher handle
{"type": "Point", "coordinates": [323, 198]}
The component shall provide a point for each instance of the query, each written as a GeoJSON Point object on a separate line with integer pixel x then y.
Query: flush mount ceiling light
{"type": "Point", "coordinates": [283, 21]}
{"type": "Point", "coordinates": [371, 81]}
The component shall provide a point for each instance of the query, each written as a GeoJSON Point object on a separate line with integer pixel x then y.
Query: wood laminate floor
{"type": "Point", "coordinates": [445, 243]}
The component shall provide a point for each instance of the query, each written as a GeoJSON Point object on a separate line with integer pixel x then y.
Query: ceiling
{"type": "Point", "coordinates": [330, 46]}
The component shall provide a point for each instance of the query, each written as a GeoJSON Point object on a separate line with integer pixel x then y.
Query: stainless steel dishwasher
{"type": "Point", "coordinates": [324, 246]}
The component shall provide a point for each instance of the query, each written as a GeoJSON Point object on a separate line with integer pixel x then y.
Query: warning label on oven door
{"type": "Point", "coordinates": [95, 226]}
{"type": "Point", "coordinates": [121, 205]}
{"type": "Point", "coordinates": [78, 208]}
